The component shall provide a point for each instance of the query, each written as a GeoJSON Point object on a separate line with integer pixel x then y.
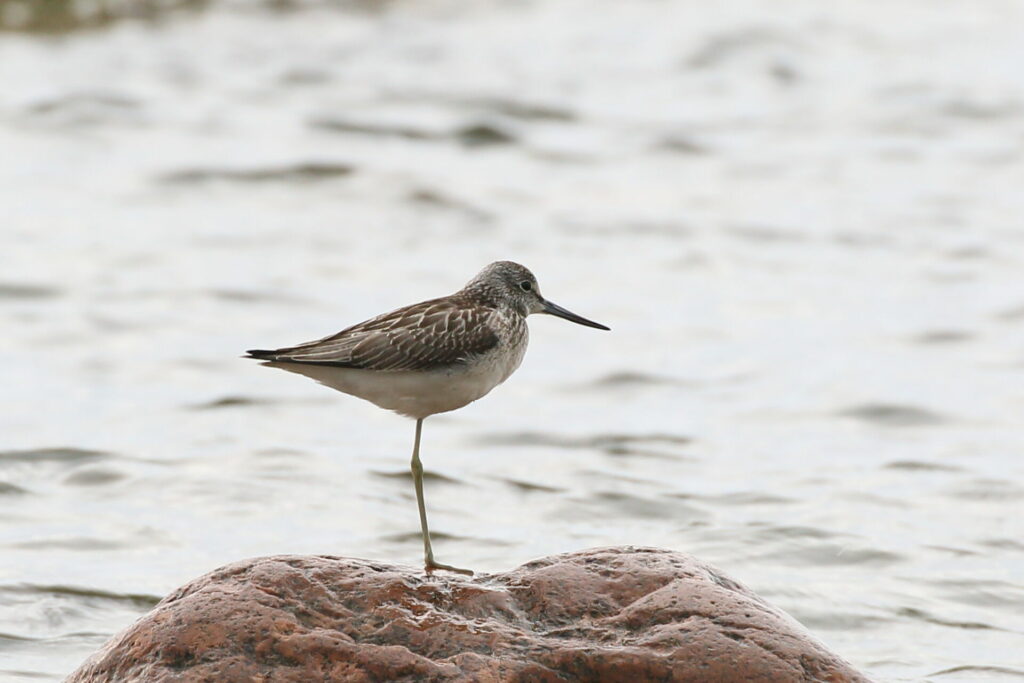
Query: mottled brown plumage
{"type": "Point", "coordinates": [425, 336]}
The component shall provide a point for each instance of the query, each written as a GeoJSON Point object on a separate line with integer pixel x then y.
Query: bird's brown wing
{"type": "Point", "coordinates": [424, 336]}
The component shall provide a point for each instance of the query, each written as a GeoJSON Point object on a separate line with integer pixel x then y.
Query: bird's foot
{"type": "Point", "coordinates": [430, 566]}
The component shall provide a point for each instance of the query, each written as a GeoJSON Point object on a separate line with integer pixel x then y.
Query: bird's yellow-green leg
{"type": "Point", "coordinates": [417, 480]}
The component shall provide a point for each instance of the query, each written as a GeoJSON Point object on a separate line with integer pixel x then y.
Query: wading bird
{"type": "Point", "coordinates": [430, 357]}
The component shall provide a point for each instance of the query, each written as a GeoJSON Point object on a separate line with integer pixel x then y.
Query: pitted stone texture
{"type": "Point", "coordinates": [608, 614]}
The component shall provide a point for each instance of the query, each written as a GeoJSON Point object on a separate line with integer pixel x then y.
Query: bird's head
{"type": "Point", "coordinates": [508, 284]}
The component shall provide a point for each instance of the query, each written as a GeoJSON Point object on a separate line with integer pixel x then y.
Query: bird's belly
{"type": "Point", "coordinates": [414, 393]}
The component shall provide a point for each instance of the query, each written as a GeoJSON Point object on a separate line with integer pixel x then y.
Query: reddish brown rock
{"type": "Point", "coordinates": [609, 614]}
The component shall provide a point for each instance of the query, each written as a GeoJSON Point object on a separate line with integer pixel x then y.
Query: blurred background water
{"type": "Point", "coordinates": [802, 221]}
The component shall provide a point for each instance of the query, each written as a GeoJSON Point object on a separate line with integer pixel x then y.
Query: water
{"type": "Point", "coordinates": [802, 223]}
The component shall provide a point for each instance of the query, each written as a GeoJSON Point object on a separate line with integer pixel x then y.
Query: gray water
{"type": "Point", "coordinates": [801, 220]}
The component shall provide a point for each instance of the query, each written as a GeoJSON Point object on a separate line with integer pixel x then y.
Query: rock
{"type": "Point", "coordinates": [608, 614]}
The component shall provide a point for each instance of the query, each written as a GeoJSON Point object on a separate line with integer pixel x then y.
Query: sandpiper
{"type": "Point", "coordinates": [430, 357]}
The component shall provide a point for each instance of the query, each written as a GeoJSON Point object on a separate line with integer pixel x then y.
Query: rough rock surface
{"type": "Point", "coordinates": [608, 614]}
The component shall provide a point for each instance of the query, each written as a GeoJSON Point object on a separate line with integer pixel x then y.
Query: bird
{"type": "Point", "coordinates": [431, 357]}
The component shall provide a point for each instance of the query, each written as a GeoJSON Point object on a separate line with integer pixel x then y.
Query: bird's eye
{"type": "Point", "coordinates": [526, 285]}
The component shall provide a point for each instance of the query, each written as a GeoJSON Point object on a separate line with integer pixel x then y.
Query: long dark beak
{"type": "Point", "coordinates": [555, 309]}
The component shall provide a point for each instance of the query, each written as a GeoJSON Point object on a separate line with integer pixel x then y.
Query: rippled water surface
{"type": "Point", "coordinates": [803, 222]}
